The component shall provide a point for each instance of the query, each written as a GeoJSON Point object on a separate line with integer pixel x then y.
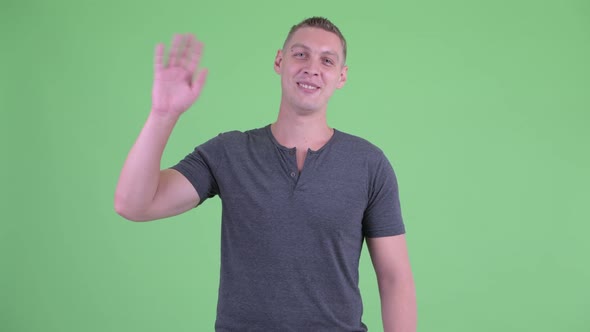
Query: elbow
{"type": "Point", "coordinates": [396, 279]}
{"type": "Point", "coordinates": [125, 214]}
{"type": "Point", "coordinates": [396, 285]}
{"type": "Point", "coordinates": [123, 209]}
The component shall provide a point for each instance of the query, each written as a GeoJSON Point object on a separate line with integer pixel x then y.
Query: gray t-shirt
{"type": "Point", "coordinates": [290, 241]}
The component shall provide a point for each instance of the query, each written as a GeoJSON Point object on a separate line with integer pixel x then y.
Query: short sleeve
{"type": "Point", "coordinates": [200, 167]}
{"type": "Point", "coordinates": [383, 215]}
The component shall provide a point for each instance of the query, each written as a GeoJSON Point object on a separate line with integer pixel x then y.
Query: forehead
{"type": "Point", "coordinates": [316, 39]}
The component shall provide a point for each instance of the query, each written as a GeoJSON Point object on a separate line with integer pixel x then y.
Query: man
{"type": "Point", "coordinates": [298, 196]}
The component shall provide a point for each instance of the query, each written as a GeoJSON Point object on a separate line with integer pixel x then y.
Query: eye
{"type": "Point", "coordinates": [299, 54]}
{"type": "Point", "coordinates": [328, 61]}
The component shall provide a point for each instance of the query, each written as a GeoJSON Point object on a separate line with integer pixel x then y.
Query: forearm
{"type": "Point", "coordinates": [140, 175]}
{"type": "Point", "coordinates": [398, 305]}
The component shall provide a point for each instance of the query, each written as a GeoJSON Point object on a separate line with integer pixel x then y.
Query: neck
{"type": "Point", "coordinates": [303, 131]}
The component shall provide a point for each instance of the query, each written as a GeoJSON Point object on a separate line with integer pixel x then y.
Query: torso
{"type": "Point", "coordinates": [291, 240]}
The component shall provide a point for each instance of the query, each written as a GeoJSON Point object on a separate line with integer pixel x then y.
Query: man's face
{"type": "Point", "coordinates": [311, 66]}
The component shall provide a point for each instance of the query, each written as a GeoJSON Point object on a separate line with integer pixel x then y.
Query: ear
{"type": "Point", "coordinates": [343, 76]}
{"type": "Point", "coordinates": [278, 61]}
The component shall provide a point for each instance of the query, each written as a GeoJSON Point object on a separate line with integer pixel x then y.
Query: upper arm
{"type": "Point", "coordinates": [175, 195]}
{"type": "Point", "coordinates": [382, 216]}
{"type": "Point", "coordinates": [389, 255]}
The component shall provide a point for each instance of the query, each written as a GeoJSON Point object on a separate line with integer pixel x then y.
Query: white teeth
{"type": "Point", "coordinates": [307, 86]}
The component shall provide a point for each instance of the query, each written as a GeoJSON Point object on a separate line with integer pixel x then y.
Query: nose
{"type": "Point", "coordinates": [313, 67]}
{"type": "Point", "coordinates": [311, 72]}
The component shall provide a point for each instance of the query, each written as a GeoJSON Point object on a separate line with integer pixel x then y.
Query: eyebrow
{"type": "Point", "coordinates": [334, 54]}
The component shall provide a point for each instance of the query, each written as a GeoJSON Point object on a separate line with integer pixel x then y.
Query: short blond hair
{"type": "Point", "coordinates": [321, 23]}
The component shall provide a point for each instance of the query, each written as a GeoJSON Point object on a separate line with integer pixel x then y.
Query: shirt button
{"type": "Point", "coordinates": [292, 152]}
{"type": "Point", "coordinates": [292, 174]}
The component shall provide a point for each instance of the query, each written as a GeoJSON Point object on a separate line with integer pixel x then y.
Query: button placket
{"type": "Point", "coordinates": [291, 165]}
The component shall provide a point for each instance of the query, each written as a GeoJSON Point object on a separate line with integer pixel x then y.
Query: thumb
{"type": "Point", "coordinates": [198, 82]}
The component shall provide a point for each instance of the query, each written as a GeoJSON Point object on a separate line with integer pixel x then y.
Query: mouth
{"type": "Point", "coordinates": [308, 86]}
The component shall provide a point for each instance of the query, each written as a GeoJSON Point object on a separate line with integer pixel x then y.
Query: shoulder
{"type": "Point", "coordinates": [358, 146]}
{"type": "Point", "coordinates": [237, 136]}
{"type": "Point", "coordinates": [236, 142]}
{"type": "Point", "coordinates": [366, 155]}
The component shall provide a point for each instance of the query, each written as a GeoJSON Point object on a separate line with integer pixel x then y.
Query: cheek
{"type": "Point", "coordinates": [293, 70]}
{"type": "Point", "coordinates": [333, 78]}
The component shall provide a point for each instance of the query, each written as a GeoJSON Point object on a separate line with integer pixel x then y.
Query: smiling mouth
{"type": "Point", "coordinates": [307, 87]}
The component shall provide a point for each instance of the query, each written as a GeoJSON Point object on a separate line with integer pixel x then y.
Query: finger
{"type": "Point", "coordinates": [173, 57]}
{"type": "Point", "coordinates": [185, 57]}
{"type": "Point", "coordinates": [159, 57]}
{"type": "Point", "coordinates": [195, 58]}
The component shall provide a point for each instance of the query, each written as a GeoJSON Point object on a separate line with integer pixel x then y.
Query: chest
{"type": "Point", "coordinates": [310, 192]}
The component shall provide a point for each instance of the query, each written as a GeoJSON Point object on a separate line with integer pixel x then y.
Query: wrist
{"type": "Point", "coordinates": [162, 121]}
{"type": "Point", "coordinates": [164, 116]}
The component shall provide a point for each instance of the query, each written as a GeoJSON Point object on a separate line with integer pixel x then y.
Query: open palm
{"type": "Point", "coordinates": [178, 83]}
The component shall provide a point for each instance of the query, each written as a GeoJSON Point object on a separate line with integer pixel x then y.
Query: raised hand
{"type": "Point", "coordinates": [178, 83]}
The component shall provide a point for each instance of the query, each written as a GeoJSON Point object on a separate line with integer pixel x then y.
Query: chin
{"type": "Point", "coordinates": [305, 107]}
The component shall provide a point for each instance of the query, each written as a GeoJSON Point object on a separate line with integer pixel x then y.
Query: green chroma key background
{"type": "Point", "coordinates": [481, 106]}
